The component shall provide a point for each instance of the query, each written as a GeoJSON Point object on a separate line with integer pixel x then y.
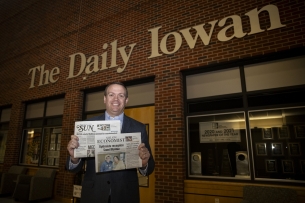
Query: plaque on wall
{"type": "Point", "coordinates": [299, 131]}
{"type": "Point", "coordinates": [277, 149]}
{"type": "Point", "coordinates": [267, 133]}
{"type": "Point", "coordinates": [283, 132]}
{"type": "Point", "coordinates": [294, 149]}
{"type": "Point", "coordinates": [271, 166]}
{"type": "Point", "coordinates": [287, 166]}
{"type": "Point", "coordinates": [261, 149]}
{"type": "Point", "coordinates": [226, 169]}
{"type": "Point", "coordinates": [302, 163]}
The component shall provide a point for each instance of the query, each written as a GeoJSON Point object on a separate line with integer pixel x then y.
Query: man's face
{"type": "Point", "coordinates": [107, 159]}
{"type": "Point", "coordinates": [115, 100]}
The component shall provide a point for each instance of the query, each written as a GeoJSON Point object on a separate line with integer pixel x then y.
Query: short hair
{"type": "Point", "coordinates": [107, 156]}
{"type": "Point", "coordinates": [116, 83]}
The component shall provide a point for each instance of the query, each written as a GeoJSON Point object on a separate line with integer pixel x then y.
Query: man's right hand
{"type": "Point", "coordinates": [73, 144]}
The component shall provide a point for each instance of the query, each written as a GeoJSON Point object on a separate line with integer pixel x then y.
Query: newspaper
{"type": "Point", "coordinates": [86, 132]}
{"type": "Point", "coordinates": [117, 152]}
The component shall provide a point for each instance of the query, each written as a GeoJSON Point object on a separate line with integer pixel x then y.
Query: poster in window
{"type": "Point", "coordinates": [299, 131]}
{"type": "Point", "coordinates": [267, 133]}
{"type": "Point", "coordinates": [294, 149]}
{"type": "Point", "coordinates": [287, 166]}
{"type": "Point", "coordinates": [283, 132]}
{"type": "Point", "coordinates": [261, 149]}
{"type": "Point", "coordinates": [53, 137]}
{"type": "Point", "coordinates": [271, 166]}
{"type": "Point", "coordinates": [211, 132]}
{"type": "Point", "coordinates": [277, 149]}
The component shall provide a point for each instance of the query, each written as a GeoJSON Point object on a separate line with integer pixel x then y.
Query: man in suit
{"type": "Point", "coordinates": [115, 186]}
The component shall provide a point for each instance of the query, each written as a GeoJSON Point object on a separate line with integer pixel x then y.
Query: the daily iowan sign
{"type": "Point", "coordinates": [99, 62]}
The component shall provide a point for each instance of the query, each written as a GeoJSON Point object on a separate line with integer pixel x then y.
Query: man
{"type": "Point", "coordinates": [107, 165]}
{"type": "Point", "coordinates": [116, 186]}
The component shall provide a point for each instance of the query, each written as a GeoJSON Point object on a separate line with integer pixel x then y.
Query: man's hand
{"type": "Point", "coordinates": [143, 154]}
{"type": "Point", "coordinates": [73, 144]}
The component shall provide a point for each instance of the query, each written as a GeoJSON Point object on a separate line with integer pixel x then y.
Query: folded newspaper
{"type": "Point", "coordinates": [117, 152]}
{"type": "Point", "coordinates": [86, 132]}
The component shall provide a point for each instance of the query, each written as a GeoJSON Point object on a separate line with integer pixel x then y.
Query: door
{"type": "Point", "coordinates": [146, 115]}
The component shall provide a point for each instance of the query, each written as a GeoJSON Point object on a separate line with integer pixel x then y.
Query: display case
{"type": "Point", "coordinates": [217, 146]}
{"type": "Point", "coordinates": [279, 155]}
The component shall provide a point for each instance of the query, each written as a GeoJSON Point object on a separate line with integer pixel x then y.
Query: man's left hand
{"type": "Point", "coordinates": [143, 154]}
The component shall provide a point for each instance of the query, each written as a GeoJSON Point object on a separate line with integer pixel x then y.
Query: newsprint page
{"type": "Point", "coordinates": [117, 152]}
{"type": "Point", "coordinates": [112, 149]}
{"type": "Point", "coordinates": [86, 132]}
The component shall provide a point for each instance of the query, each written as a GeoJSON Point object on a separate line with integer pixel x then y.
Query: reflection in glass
{"type": "Point", "coordinates": [31, 146]}
{"type": "Point", "coordinates": [51, 146]}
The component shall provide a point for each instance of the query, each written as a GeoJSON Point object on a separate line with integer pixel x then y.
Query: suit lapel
{"type": "Point", "coordinates": [126, 124]}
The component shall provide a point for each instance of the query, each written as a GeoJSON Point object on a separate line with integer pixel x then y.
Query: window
{"type": "Point", "coordinates": [42, 133]}
{"type": "Point", "coordinates": [5, 115]}
{"type": "Point", "coordinates": [247, 122]}
{"type": "Point", "coordinates": [215, 140]}
{"type": "Point", "coordinates": [278, 142]}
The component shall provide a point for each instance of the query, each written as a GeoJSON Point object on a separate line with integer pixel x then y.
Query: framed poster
{"type": "Point", "coordinates": [212, 132]}
{"type": "Point", "coordinates": [267, 134]}
{"type": "Point", "coordinates": [277, 149]}
{"type": "Point", "coordinates": [287, 166]}
{"type": "Point", "coordinates": [271, 166]}
{"type": "Point", "coordinates": [294, 149]}
{"type": "Point", "coordinates": [283, 132]}
{"type": "Point", "coordinates": [261, 149]}
{"type": "Point", "coordinates": [299, 131]}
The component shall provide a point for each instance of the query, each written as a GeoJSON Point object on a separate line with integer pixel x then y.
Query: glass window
{"type": "Point", "coordinates": [3, 138]}
{"type": "Point", "coordinates": [55, 107]}
{"type": "Point", "coordinates": [35, 110]}
{"type": "Point", "coordinates": [31, 146]}
{"type": "Point", "coordinates": [51, 146]}
{"type": "Point", "coordinates": [217, 146]}
{"type": "Point", "coordinates": [278, 142]}
{"type": "Point", "coordinates": [268, 97]}
{"type": "Point", "coordinates": [5, 115]}
{"type": "Point", "coordinates": [280, 73]}
{"type": "Point", "coordinates": [42, 133]}
{"type": "Point", "coordinates": [213, 83]}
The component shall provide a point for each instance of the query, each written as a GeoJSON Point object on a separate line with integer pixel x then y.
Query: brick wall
{"type": "Point", "coordinates": [35, 32]}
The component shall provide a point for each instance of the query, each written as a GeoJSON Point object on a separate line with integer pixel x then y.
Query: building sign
{"type": "Point", "coordinates": [211, 132]}
{"type": "Point", "coordinates": [98, 62]}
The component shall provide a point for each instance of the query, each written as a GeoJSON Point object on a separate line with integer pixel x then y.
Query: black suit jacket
{"type": "Point", "coordinates": [123, 184]}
